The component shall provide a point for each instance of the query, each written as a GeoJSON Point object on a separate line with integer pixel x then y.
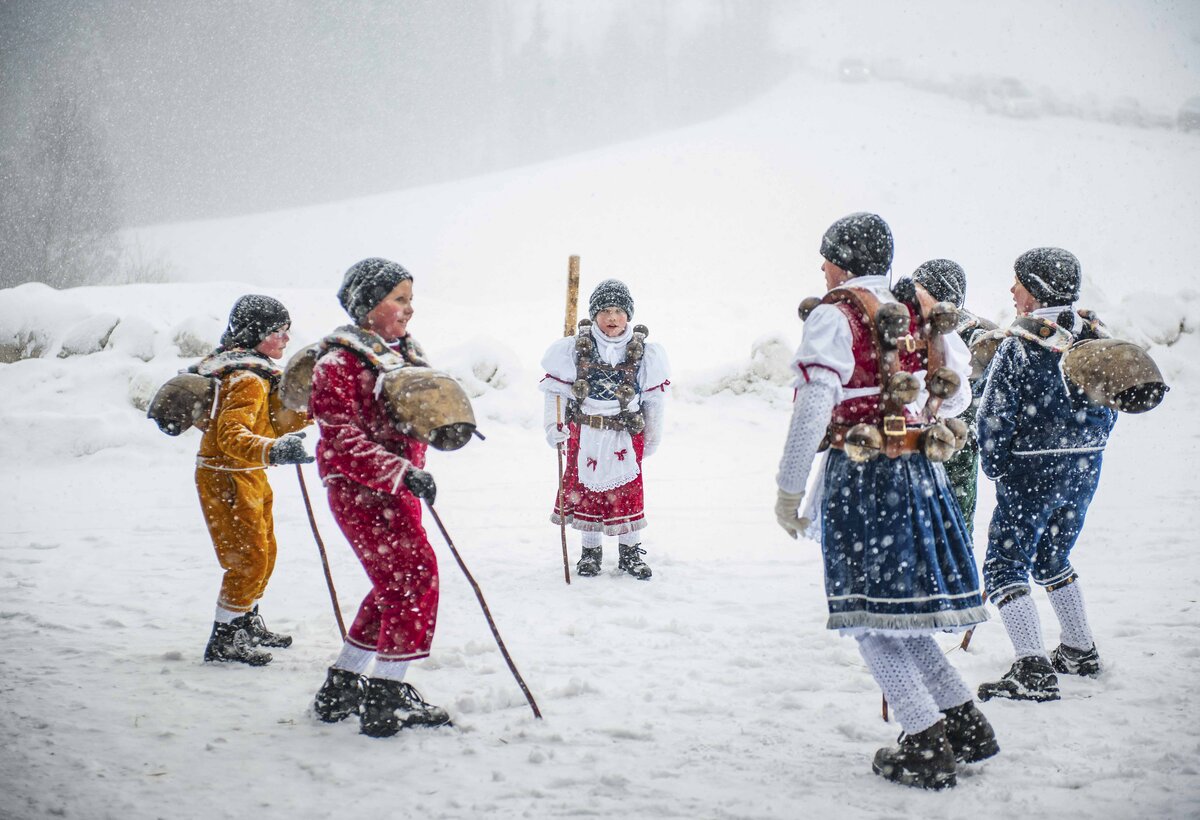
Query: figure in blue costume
{"type": "Point", "coordinates": [1042, 442]}
{"type": "Point", "coordinates": [871, 389]}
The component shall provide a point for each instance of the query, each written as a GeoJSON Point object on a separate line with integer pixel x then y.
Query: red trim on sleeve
{"type": "Point", "coordinates": [663, 387]}
{"type": "Point", "coordinates": [556, 378]}
{"type": "Point", "coordinates": [804, 371]}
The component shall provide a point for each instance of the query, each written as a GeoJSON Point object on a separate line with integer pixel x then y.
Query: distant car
{"type": "Point", "coordinates": [1009, 96]}
{"type": "Point", "coordinates": [1189, 115]}
{"type": "Point", "coordinates": [853, 70]}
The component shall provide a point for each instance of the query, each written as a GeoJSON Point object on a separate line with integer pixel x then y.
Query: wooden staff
{"type": "Point", "coordinates": [572, 295]}
{"type": "Point", "coordinates": [312, 522]}
{"type": "Point", "coordinates": [562, 513]}
{"type": "Point", "coordinates": [512, 667]}
{"type": "Point", "coordinates": [568, 330]}
{"type": "Point", "coordinates": [966, 641]}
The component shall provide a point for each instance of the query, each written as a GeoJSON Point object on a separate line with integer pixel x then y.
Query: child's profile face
{"type": "Point", "coordinates": [611, 321]}
{"type": "Point", "coordinates": [272, 346]}
{"type": "Point", "coordinates": [1023, 300]}
{"type": "Point", "coordinates": [390, 317]}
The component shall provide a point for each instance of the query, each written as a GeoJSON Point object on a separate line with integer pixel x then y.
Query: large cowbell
{"type": "Point", "coordinates": [1115, 374]}
{"type": "Point", "coordinates": [296, 385]}
{"type": "Point", "coordinates": [184, 401]}
{"type": "Point", "coordinates": [430, 406]}
{"type": "Point", "coordinates": [427, 404]}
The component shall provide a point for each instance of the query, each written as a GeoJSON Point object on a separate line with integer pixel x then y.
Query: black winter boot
{"type": "Point", "coordinates": [589, 562]}
{"type": "Point", "coordinates": [256, 628]}
{"type": "Point", "coordinates": [924, 759]}
{"type": "Point", "coordinates": [1030, 678]}
{"type": "Point", "coordinates": [1067, 660]}
{"type": "Point", "coordinates": [340, 696]}
{"type": "Point", "coordinates": [391, 705]}
{"type": "Point", "coordinates": [970, 735]}
{"type": "Point", "coordinates": [229, 644]}
{"type": "Point", "coordinates": [631, 561]}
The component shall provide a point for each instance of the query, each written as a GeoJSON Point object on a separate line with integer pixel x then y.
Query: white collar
{"type": "Point", "coordinates": [611, 349]}
{"type": "Point", "coordinates": [1052, 312]}
{"type": "Point", "coordinates": [867, 282]}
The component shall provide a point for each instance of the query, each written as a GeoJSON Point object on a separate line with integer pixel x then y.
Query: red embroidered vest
{"type": "Point", "coordinates": [869, 409]}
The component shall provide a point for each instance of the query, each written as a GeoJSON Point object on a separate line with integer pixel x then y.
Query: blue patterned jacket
{"type": "Point", "coordinates": [1028, 408]}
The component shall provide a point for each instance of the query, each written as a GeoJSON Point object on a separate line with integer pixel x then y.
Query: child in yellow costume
{"type": "Point", "coordinates": [249, 431]}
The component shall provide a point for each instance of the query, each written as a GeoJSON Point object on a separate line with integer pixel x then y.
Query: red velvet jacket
{"type": "Point", "coordinates": [358, 439]}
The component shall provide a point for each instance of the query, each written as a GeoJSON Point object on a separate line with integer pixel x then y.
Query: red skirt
{"type": "Point", "coordinates": [617, 511]}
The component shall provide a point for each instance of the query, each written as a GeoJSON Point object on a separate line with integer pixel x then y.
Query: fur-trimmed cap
{"type": "Point", "coordinates": [945, 280]}
{"type": "Point", "coordinates": [254, 317]}
{"type": "Point", "coordinates": [610, 293]}
{"type": "Point", "coordinates": [367, 283]}
{"type": "Point", "coordinates": [1051, 275]}
{"type": "Point", "coordinates": [860, 244]}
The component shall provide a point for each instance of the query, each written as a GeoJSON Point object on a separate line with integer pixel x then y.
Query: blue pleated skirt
{"type": "Point", "coordinates": [897, 554]}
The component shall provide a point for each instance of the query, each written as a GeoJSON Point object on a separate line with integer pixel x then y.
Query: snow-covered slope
{"type": "Point", "coordinates": [711, 691]}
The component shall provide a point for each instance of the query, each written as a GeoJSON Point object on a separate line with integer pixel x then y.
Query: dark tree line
{"type": "Point", "coordinates": [148, 112]}
{"type": "Point", "coordinates": [59, 210]}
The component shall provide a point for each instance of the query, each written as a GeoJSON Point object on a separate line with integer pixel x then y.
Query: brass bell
{"type": "Point", "coordinates": [904, 386]}
{"type": "Point", "coordinates": [937, 442]}
{"type": "Point", "coordinates": [584, 324]}
{"type": "Point", "coordinates": [634, 422]}
{"type": "Point", "coordinates": [863, 442]}
{"type": "Point", "coordinates": [944, 383]}
{"type": "Point", "coordinates": [892, 320]}
{"type": "Point", "coordinates": [642, 329]}
{"type": "Point", "coordinates": [960, 430]}
{"type": "Point", "coordinates": [585, 344]}
{"type": "Point", "coordinates": [580, 390]}
{"type": "Point", "coordinates": [983, 350]}
{"type": "Point", "coordinates": [634, 349]}
{"type": "Point", "coordinates": [625, 394]}
{"type": "Point", "coordinates": [943, 318]}
{"type": "Point", "coordinates": [807, 306]}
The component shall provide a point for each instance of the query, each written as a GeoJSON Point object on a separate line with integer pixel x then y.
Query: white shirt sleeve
{"type": "Point", "coordinates": [958, 359]}
{"type": "Point", "coordinates": [815, 400]}
{"type": "Point", "coordinates": [827, 344]}
{"type": "Point", "coordinates": [559, 366]}
{"type": "Point", "coordinates": [655, 373]}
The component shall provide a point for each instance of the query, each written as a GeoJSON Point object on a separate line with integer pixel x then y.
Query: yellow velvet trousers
{"type": "Point", "coordinates": [237, 509]}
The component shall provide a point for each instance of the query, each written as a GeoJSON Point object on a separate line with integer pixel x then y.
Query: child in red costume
{"type": "Point", "coordinates": [605, 391]}
{"type": "Point", "coordinates": [375, 481]}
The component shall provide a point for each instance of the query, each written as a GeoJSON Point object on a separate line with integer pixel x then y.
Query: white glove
{"type": "Point", "coordinates": [787, 513]}
{"type": "Point", "coordinates": [555, 436]}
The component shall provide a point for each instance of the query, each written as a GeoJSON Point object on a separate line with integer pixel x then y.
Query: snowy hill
{"type": "Point", "coordinates": [713, 690]}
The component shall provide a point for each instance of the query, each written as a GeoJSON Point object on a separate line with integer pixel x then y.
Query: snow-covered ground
{"type": "Point", "coordinates": [713, 690]}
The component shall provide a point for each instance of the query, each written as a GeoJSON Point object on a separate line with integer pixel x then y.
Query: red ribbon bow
{"type": "Point", "coordinates": [591, 462]}
{"type": "Point", "coordinates": [620, 454]}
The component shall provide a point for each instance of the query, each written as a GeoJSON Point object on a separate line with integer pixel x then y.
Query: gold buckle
{"type": "Point", "coordinates": [894, 426]}
{"type": "Point", "coordinates": [909, 342]}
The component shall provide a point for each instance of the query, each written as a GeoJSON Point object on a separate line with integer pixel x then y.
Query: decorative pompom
{"type": "Point", "coordinates": [905, 290]}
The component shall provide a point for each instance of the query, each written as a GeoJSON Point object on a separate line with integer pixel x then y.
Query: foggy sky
{"type": "Point", "coordinates": [223, 107]}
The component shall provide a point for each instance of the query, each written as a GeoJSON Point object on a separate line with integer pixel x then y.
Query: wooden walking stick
{"type": "Point", "coordinates": [568, 330]}
{"type": "Point", "coordinates": [572, 295]}
{"type": "Point", "coordinates": [966, 641]}
{"type": "Point", "coordinates": [486, 613]}
{"type": "Point", "coordinates": [312, 521]}
{"type": "Point", "coordinates": [562, 512]}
